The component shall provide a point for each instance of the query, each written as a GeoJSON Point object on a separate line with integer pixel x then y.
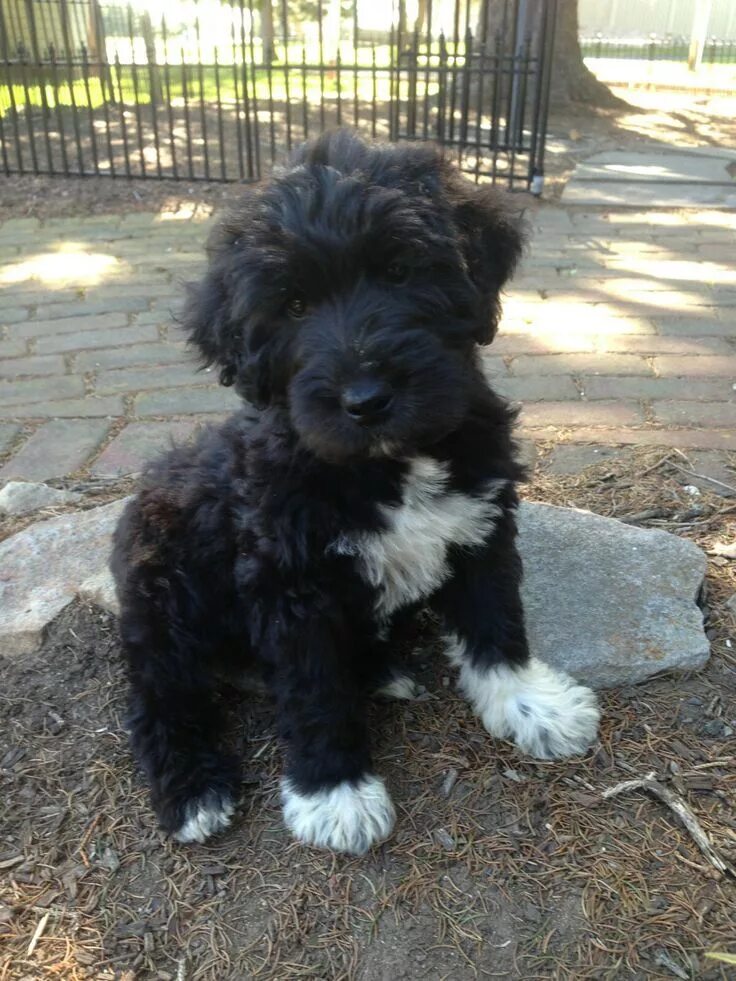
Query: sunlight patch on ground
{"type": "Point", "coordinates": [716, 219]}
{"type": "Point", "coordinates": [673, 219]}
{"type": "Point", "coordinates": [172, 208]}
{"type": "Point", "coordinates": [640, 170]}
{"type": "Point", "coordinates": [660, 300]}
{"type": "Point", "coordinates": [623, 72]}
{"type": "Point", "coordinates": [682, 270]}
{"type": "Point", "coordinates": [176, 209]}
{"type": "Point", "coordinates": [157, 155]}
{"type": "Point", "coordinates": [632, 249]}
{"type": "Point", "coordinates": [654, 124]}
{"type": "Point", "coordinates": [678, 118]}
{"type": "Point", "coordinates": [572, 319]}
{"type": "Point", "coordinates": [547, 338]}
{"type": "Point", "coordinates": [70, 265]}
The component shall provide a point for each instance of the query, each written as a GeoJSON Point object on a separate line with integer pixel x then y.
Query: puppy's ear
{"type": "Point", "coordinates": [216, 317]}
{"type": "Point", "coordinates": [492, 239]}
{"type": "Point", "coordinates": [216, 321]}
{"type": "Point", "coordinates": [205, 318]}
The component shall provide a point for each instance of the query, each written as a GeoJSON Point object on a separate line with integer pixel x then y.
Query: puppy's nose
{"type": "Point", "coordinates": [366, 400]}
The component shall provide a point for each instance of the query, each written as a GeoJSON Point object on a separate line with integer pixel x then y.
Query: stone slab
{"type": "Point", "coordinates": [7, 436]}
{"type": "Point", "coordinates": [138, 443]}
{"type": "Point", "coordinates": [12, 367]}
{"type": "Point", "coordinates": [90, 406]}
{"type": "Point", "coordinates": [57, 448]}
{"type": "Point", "coordinates": [723, 152]}
{"type": "Point", "coordinates": [572, 458]}
{"type": "Point", "coordinates": [30, 390]}
{"type": "Point", "coordinates": [183, 401]}
{"type": "Point", "coordinates": [717, 472]}
{"type": "Point", "coordinates": [610, 603]}
{"type": "Point", "coordinates": [645, 194]}
{"type": "Point", "coordinates": [659, 167]}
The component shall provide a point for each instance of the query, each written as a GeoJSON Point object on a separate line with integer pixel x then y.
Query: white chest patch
{"type": "Point", "coordinates": [407, 561]}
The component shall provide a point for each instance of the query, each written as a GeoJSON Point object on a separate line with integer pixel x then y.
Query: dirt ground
{"type": "Point", "coordinates": [670, 118]}
{"type": "Point", "coordinates": [499, 867]}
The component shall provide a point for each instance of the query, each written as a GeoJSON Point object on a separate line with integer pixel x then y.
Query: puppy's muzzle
{"type": "Point", "coordinates": [367, 401]}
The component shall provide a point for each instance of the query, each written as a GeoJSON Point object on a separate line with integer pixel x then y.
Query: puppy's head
{"type": "Point", "coordinates": [353, 289]}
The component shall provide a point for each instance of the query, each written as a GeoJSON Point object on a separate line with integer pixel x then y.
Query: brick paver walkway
{"type": "Point", "coordinates": [620, 329]}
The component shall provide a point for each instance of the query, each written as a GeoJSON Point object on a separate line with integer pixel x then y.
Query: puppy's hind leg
{"type": "Point", "coordinates": [391, 679]}
{"type": "Point", "coordinates": [176, 726]}
{"type": "Point", "coordinates": [401, 687]}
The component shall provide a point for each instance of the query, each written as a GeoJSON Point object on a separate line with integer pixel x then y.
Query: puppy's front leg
{"type": "Point", "coordinates": [331, 798]}
{"type": "Point", "coordinates": [542, 710]}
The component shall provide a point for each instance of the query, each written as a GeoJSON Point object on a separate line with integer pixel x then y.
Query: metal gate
{"type": "Point", "coordinates": [222, 89]}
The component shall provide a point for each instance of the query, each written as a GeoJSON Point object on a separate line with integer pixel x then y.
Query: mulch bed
{"type": "Point", "coordinates": [499, 867]}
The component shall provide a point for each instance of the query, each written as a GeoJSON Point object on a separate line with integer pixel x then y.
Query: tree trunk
{"type": "Point", "coordinates": [422, 10]}
{"type": "Point", "coordinates": [154, 77]}
{"type": "Point", "coordinates": [571, 80]}
{"type": "Point", "coordinates": [267, 31]}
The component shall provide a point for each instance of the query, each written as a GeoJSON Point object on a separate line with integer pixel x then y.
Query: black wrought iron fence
{"type": "Point", "coordinates": [655, 47]}
{"type": "Point", "coordinates": [222, 89]}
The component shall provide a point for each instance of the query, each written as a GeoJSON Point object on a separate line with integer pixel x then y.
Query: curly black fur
{"type": "Point", "coordinates": [345, 299]}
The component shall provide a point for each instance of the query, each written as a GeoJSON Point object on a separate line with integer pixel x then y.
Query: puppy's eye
{"type": "Point", "coordinates": [397, 273]}
{"type": "Point", "coordinates": [296, 307]}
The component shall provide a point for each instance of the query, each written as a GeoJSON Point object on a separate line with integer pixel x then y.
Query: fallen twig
{"type": "Point", "coordinates": [8, 863]}
{"type": "Point", "coordinates": [37, 933]}
{"type": "Point", "coordinates": [657, 465]}
{"type": "Point", "coordinates": [678, 806]}
{"type": "Point", "coordinates": [703, 476]}
{"type": "Point", "coordinates": [635, 519]}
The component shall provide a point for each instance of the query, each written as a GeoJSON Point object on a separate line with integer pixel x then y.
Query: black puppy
{"type": "Point", "coordinates": [345, 299]}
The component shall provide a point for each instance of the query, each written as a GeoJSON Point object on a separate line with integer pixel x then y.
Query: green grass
{"type": "Point", "coordinates": [207, 84]}
{"type": "Point", "coordinates": [131, 86]}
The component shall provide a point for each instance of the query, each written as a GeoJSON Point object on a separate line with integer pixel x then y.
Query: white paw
{"type": "Point", "coordinates": [402, 687]}
{"type": "Point", "coordinates": [542, 710]}
{"type": "Point", "coordinates": [351, 817]}
{"type": "Point", "coordinates": [204, 817]}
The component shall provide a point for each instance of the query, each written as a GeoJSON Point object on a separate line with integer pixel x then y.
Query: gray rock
{"type": "Point", "coordinates": [20, 497]}
{"type": "Point", "coordinates": [716, 728]}
{"type": "Point", "coordinates": [43, 567]}
{"type": "Point", "coordinates": [607, 602]}
{"type": "Point", "coordinates": [99, 590]}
